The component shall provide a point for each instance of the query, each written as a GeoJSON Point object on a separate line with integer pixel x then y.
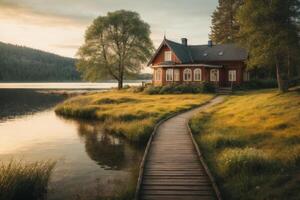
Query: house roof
{"type": "Point", "coordinates": [203, 53]}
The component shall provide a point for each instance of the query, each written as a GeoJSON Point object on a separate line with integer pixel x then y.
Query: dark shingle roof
{"type": "Point", "coordinates": [181, 51]}
{"type": "Point", "coordinates": [221, 52]}
{"type": "Point", "coordinates": [205, 53]}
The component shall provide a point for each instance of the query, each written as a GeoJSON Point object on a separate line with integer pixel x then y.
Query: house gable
{"type": "Point", "coordinates": [159, 55]}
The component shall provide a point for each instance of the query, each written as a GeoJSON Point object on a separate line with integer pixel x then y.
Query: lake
{"type": "Point", "coordinates": [90, 162]}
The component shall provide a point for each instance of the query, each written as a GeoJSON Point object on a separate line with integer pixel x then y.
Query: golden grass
{"type": "Point", "coordinates": [20, 180]}
{"type": "Point", "coordinates": [128, 114]}
{"type": "Point", "coordinates": [252, 144]}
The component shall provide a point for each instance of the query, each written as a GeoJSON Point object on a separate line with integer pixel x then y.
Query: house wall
{"type": "Point", "coordinates": [239, 66]}
{"type": "Point", "coordinates": [161, 56]}
{"type": "Point", "coordinates": [223, 74]}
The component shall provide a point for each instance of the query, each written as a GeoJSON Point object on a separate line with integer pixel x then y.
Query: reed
{"type": "Point", "coordinates": [19, 180]}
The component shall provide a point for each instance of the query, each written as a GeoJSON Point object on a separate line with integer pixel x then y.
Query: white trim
{"type": "Point", "coordinates": [189, 65]}
{"type": "Point", "coordinates": [176, 74]}
{"type": "Point", "coordinates": [214, 78]}
{"type": "Point", "coordinates": [187, 71]}
{"type": "Point", "coordinates": [169, 75]}
{"type": "Point", "coordinates": [198, 72]}
{"type": "Point", "coordinates": [232, 75]}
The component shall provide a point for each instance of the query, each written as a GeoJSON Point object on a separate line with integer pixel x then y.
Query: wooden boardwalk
{"type": "Point", "coordinates": [173, 169]}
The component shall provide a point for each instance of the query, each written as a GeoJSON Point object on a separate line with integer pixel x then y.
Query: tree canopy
{"type": "Point", "coordinates": [269, 30]}
{"type": "Point", "coordinates": [19, 63]}
{"type": "Point", "coordinates": [225, 27]}
{"type": "Point", "coordinates": [116, 45]}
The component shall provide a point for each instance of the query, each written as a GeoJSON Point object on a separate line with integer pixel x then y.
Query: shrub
{"type": "Point", "coordinates": [24, 181]}
{"type": "Point", "coordinates": [258, 84]}
{"type": "Point", "coordinates": [167, 89]}
{"type": "Point", "coordinates": [182, 89]}
{"type": "Point", "coordinates": [208, 87]}
{"type": "Point", "coordinates": [152, 90]}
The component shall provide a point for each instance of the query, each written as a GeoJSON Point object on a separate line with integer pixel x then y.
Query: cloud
{"type": "Point", "coordinates": [64, 19]}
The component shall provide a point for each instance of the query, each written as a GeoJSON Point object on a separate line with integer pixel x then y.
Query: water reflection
{"type": "Point", "coordinates": [106, 150]}
{"type": "Point", "coordinates": [87, 157]}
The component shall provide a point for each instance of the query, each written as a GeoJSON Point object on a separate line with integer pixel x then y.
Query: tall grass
{"type": "Point", "coordinates": [19, 180]}
{"type": "Point", "coordinates": [252, 144]}
{"type": "Point", "coordinates": [128, 114]}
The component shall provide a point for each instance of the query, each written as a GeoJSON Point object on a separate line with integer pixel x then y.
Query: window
{"type": "Point", "coordinates": [168, 56]}
{"type": "Point", "coordinates": [232, 75]}
{"type": "Point", "coordinates": [157, 75]}
{"type": "Point", "coordinates": [197, 75]}
{"type": "Point", "coordinates": [176, 75]}
{"type": "Point", "coordinates": [187, 75]}
{"type": "Point", "coordinates": [169, 75]}
{"type": "Point", "coordinates": [246, 76]}
{"type": "Point", "coordinates": [214, 75]}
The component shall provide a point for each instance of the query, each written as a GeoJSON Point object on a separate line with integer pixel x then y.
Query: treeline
{"type": "Point", "coordinates": [19, 63]}
{"type": "Point", "coordinates": [269, 30]}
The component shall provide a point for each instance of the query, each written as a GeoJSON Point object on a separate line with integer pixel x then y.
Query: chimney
{"type": "Point", "coordinates": [210, 43]}
{"type": "Point", "coordinates": [184, 41]}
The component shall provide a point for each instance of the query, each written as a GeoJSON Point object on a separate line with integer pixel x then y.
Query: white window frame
{"type": "Point", "coordinates": [157, 75]}
{"type": "Point", "coordinates": [168, 56]}
{"type": "Point", "coordinates": [187, 72]}
{"type": "Point", "coordinates": [176, 75]}
{"type": "Point", "coordinates": [197, 72]}
{"type": "Point", "coordinates": [232, 75]}
{"type": "Point", "coordinates": [214, 78]}
{"type": "Point", "coordinates": [169, 75]}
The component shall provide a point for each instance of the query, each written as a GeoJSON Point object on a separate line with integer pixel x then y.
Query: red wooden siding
{"type": "Point", "coordinates": [161, 56]}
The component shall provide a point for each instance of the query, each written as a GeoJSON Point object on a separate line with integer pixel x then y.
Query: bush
{"type": "Point", "coordinates": [152, 90]}
{"type": "Point", "coordinates": [181, 89]}
{"type": "Point", "coordinates": [208, 87]}
{"type": "Point", "coordinates": [167, 89]}
{"type": "Point", "coordinates": [258, 84]}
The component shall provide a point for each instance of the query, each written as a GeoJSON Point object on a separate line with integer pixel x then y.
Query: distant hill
{"type": "Point", "coordinates": [18, 63]}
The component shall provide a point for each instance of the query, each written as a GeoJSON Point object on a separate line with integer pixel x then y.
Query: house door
{"type": "Point", "coordinates": [214, 76]}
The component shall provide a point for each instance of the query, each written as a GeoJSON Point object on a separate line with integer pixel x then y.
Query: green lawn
{"type": "Point", "coordinates": [128, 114]}
{"type": "Point", "coordinates": [251, 143]}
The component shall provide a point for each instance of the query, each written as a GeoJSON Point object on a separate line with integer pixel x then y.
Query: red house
{"type": "Point", "coordinates": [175, 63]}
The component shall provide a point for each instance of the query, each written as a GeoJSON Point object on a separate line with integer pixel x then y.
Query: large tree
{"type": "Point", "coordinates": [116, 45]}
{"type": "Point", "coordinates": [225, 27]}
{"type": "Point", "coordinates": [269, 30]}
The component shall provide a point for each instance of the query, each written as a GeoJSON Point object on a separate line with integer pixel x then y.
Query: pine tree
{"type": "Point", "coordinates": [224, 24]}
{"type": "Point", "coordinates": [270, 32]}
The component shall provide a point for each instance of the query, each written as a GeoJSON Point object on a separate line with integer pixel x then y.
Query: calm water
{"type": "Point", "coordinates": [89, 161]}
{"type": "Point", "coordinates": [81, 85]}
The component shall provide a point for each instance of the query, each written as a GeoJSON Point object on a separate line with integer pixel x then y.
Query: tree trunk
{"type": "Point", "coordinates": [283, 84]}
{"type": "Point", "coordinates": [120, 84]}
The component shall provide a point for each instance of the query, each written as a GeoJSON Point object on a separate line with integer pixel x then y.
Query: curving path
{"type": "Point", "coordinates": [173, 169]}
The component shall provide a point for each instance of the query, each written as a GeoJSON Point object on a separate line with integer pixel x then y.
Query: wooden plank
{"type": "Point", "coordinates": [171, 166]}
{"type": "Point", "coordinates": [172, 197]}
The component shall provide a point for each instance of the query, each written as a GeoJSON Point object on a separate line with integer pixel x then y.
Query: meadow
{"type": "Point", "coordinates": [128, 114]}
{"type": "Point", "coordinates": [251, 143]}
{"type": "Point", "coordinates": [19, 180]}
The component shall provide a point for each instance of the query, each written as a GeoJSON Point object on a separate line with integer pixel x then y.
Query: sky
{"type": "Point", "coordinates": [58, 26]}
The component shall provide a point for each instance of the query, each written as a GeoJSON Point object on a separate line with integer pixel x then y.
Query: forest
{"type": "Point", "coordinates": [23, 64]}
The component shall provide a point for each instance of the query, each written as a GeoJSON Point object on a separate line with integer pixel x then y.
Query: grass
{"type": "Point", "coordinates": [19, 180]}
{"type": "Point", "coordinates": [251, 143]}
{"type": "Point", "coordinates": [128, 114]}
